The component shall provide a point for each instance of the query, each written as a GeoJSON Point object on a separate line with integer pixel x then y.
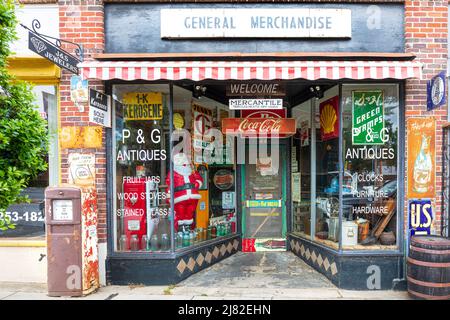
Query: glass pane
{"type": "Point", "coordinates": [370, 144]}
{"type": "Point", "coordinates": [204, 174]}
{"type": "Point", "coordinates": [327, 168]}
{"type": "Point", "coordinates": [29, 217]}
{"type": "Point", "coordinates": [141, 148]}
{"type": "Point", "coordinates": [301, 170]}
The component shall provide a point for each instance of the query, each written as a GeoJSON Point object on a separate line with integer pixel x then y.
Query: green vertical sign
{"type": "Point", "coordinates": [367, 117]}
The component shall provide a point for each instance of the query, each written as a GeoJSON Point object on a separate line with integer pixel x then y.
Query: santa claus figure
{"type": "Point", "coordinates": [186, 182]}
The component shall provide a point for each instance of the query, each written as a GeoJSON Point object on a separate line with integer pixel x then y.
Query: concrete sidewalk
{"type": "Point", "coordinates": [21, 291]}
{"type": "Point", "coordinates": [262, 275]}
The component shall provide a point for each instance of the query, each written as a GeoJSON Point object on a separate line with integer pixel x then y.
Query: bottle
{"type": "Point", "coordinates": [205, 234]}
{"type": "Point", "coordinates": [423, 166]}
{"type": "Point", "coordinates": [134, 243]}
{"type": "Point", "coordinates": [213, 232]}
{"type": "Point", "coordinates": [123, 243]}
{"type": "Point", "coordinates": [179, 239]}
{"type": "Point", "coordinates": [186, 239]}
{"type": "Point", "coordinates": [165, 242]}
{"type": "Point", "coordinates": [144, 243]}
{"type": "Point", "coordinates": [191, 238]}
{"type": "Point", "coordinates": [154, 245]}
{"type": "Point", "coordinates": [200, 235]}
{"type": "Point", "coordinates": [208, 232]}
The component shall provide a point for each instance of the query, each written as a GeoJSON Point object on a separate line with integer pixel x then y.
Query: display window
{"type": "Point", "coordinates": [170, 199]}
{"type": "Point", "coordinates": [347, 166]}
{"type": "Point", "coordinates": [28, 218]}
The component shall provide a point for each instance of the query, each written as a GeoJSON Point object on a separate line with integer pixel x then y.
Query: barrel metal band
{"type": "Point", "coordinates": [427, 296]}
{"type": "Point", "coordinates": [429, 264]}
{"type": "Point", "coordinates": [428, 284]}
{"type": "Point", "coordinates": [443, 252]}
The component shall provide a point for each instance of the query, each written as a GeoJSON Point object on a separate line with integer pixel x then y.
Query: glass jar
{"type": "Point", "coordinates": [208, 232]}
{"type": "Point", "coordinates": [134, 243]}
{"type": "Point", "coordinates": [154, 244]}
{"type": "Point", "coordinates": [186, 239]}
{"type": "Point", "coordinates": [213, 232]}
{"type": "Point", "coordinates": [144, 243]}
{"type": "Point", "coordinates": [123, 243]}
{"type": "Point", "coordinates": [165, 242]}
{"type": "Point", "coordinates": [179, 239]}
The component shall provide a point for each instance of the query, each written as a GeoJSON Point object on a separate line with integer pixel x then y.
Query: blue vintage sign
{"type": "Point", "coordinates": [420, 216]}
{"type": "Point", "coordinates": [436, 89]}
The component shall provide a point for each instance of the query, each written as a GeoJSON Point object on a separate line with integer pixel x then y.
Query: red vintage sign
{"type": "Point", "coordinates": [259, 126]}
{"type": "Point", "coordinates": [329, 118]}
{"type": "Point", "coordinates": [248, 245]}
{"type": "Point", "coordinates": [275, 113]}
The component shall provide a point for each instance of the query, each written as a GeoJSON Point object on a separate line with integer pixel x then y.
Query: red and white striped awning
{"type": "Point", "coordinates": [246, 70]}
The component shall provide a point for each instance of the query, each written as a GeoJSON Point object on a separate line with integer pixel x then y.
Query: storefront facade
{"type": "Point", "coordinates": [329, 183]}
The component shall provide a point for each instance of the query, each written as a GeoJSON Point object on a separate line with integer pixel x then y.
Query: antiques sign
{"type": "Point", "coordinates": [51, 52]}
{"type": "Point", "coordinates": [421, 134]}
{"type": "Point", "coordinates": [436, 88]}
{"type": "Point", "coordinates": [256, 23]}
{"type": "Point", "coordinates": [99, 108]}
{"type": "Point", "coordinates": [368, 118]}
{"type": "Point", "coordinates": [420, 217]}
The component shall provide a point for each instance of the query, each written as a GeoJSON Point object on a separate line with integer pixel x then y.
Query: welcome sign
{"type": "Point", "coordinates": [256, 23]}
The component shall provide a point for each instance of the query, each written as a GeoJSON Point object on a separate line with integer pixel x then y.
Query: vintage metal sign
{"type": "Point", "coordinates": [277, 113]}
{"type": "Point", "coordinates": [256, 23]}
{"type": "Point", "coordinates": [368, 118]}
{"type": "Point", "coordinates": [99, 108]}
{"type": "Point", "coordinates": [143, 106]}
{"type": "Point", "coordinates": [436, 89]}
{"type": "Point", "coordinates": [255, 104]}
{"type": "Point", "coordinates": [259, 126]}
{"type": "Point", "coordinates": [420, 217]}
{"type": "Point", "coordinates": [51, 52]}
{"type": "Point", "coordinates": [329, 119]}
{"type": "Point", "coordinates": [421, 177]}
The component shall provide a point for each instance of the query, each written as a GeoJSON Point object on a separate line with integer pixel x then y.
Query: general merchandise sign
{"type": "Point", "coordinates": [256, 23]}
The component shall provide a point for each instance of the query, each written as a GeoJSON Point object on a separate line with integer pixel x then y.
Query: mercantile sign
{"type": "Point", "coordinates": [256, 23]}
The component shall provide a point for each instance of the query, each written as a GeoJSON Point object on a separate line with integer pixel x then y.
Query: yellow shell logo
{"type": "Point", "coordinates": [328, 118]}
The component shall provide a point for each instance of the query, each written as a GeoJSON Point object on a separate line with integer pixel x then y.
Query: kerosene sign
{"type": "Point", "coordinates": [256, 23]}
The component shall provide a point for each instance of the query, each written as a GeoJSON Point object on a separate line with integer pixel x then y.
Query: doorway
{"type": "Point", "coordinates": [264, 177]}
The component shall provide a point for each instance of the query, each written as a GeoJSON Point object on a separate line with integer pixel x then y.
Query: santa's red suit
{"type": "Point", "coordinates": [186, 183]}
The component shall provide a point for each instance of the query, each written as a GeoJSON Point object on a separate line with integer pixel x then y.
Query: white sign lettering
{"type": "Point", "coordinates": [256, 23]}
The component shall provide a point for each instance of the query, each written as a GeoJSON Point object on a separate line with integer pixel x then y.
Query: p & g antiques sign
{"type": "Point", "coordinates": [256, 23]}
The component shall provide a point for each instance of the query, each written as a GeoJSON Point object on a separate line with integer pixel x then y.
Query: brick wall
{"type": "Point", "coordinates": [83, 22]}
{"type": "Point", "coordinates": [426, 34]}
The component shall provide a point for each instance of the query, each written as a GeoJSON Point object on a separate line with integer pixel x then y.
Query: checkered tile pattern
{"type": "Point", "coordinates": [313, 257]}
{"type": "Point", "coordinates": [205, 259]}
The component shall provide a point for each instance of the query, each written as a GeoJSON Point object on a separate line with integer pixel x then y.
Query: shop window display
{"type": "Point", "coordinates": [142, 162]}
{"type": "Point", "coordinates": [370, 127]}
{"type": "Point", "coordinates": [203, 190]}
{"type": "Point", "coordinates": [204, 187]}
{"type": "Point", "coordinates": [370, 147]}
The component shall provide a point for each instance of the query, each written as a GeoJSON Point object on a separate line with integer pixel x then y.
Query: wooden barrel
{"type": "Point", "coordinates": [428, 268]}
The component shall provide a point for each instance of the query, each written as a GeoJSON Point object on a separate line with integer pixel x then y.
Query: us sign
{"type": "Point", "coordinates": [49, 51]}
{"type": "Point", "coordinates": [420, 217]}
{"type": "Point", "coordinates": [99, 108]}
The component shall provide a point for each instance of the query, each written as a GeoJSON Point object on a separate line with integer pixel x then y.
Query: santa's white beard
{"type": "Point", "coordinates": [183, 170]}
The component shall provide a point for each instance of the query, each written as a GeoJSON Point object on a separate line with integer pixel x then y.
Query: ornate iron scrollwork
{"type": "Point", "coordinates": [36, 24]}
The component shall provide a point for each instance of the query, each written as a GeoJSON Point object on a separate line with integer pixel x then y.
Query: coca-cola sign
{"type": "Point", "coordinates": [259, 126]}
